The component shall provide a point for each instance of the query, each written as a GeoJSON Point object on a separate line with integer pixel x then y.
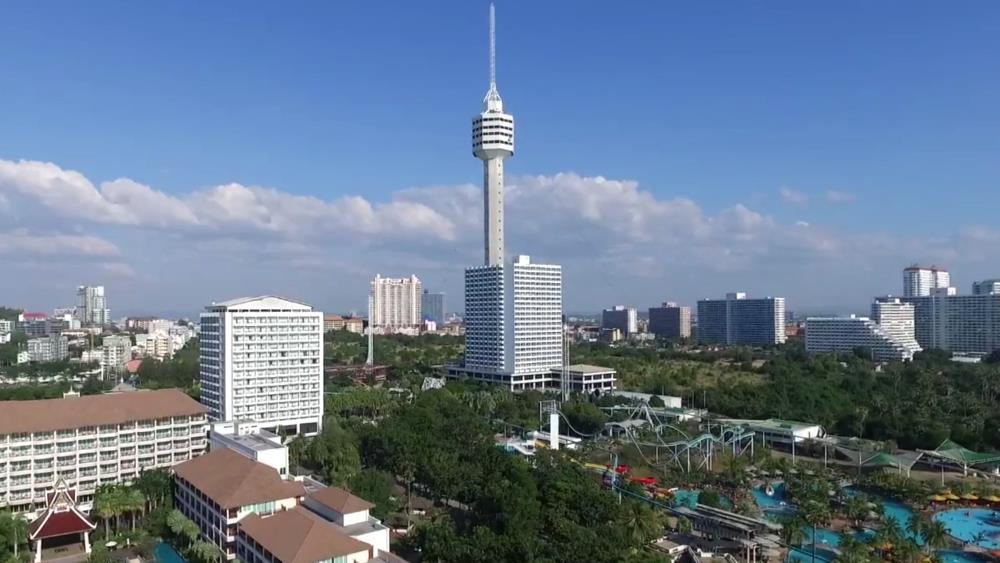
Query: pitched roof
{"type": "Point", "coordinates": [232, 480]}
{"type": "Point", "coordinates": [297, 536]}
{"type": "Point", "coordinates": [46, 415]}
{"type": "Point", "coordinates": [340, 500]}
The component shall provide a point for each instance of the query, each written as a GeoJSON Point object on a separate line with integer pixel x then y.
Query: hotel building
{"type": "Point", "coordinates": [252, 513]}
{"type": "Point", "coordinates": [395, 303]}
{"type": "Point", "coordinates": [738, 320]}
{"type": "Point", "coordinates": [847, 334]}
{"type": "Point", "coordinates": [262, 360]}
{"type": "Point", "coordinates": [92, 440]}
{"type": "Point", "coordinates": [670, 321]}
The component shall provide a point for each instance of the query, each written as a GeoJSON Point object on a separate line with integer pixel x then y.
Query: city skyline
{"type": "Point", "coordinates": [637, 197]}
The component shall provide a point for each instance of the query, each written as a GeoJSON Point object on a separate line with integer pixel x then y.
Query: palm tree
{"type": "Point", "coordinates": [916, 526]}
{"type": "Point", "coordinates": [645, 525]}
{"type": "Point", "coordinates": [134, 504]}
{"type": "Point", "coordinates": [793, 531]}
{"type": "Point", "coordinates": [935, 534]}
{"type": "Point", "coordinates": [683, 525]}
{"type": "Point", "coordinates": [814, 514]}
{"type": "Point", "coordinates": [104, 507]}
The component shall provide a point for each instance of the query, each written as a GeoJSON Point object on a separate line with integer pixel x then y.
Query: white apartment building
{"type": "Point", "coordinates": [262, 360]}
{"type": "Point", "coordinates": [968, 324]}
{"type": "Point", "coordinates": [158, 345]}
{"type": "Point", "coordinates": [52, 348]}
{"type": "Point", "coordinates": [6, 326]}
{"type": "Point", "coordinates": [395, 303]}
{"type": "Point", "coordinates": [513, 324]}
{"type": "Point", "coordinates": [921, 281]}
{"type": "Point", "coordinates": [846, 334]}
{"type": "Point", "coordinates": [92, 440]}
{"type": "Point", "coordinates": [739, 320]}
{"type": "Point", "coordinates": [92, 305]}
{"type": "Point", "coordinates": [116, 351]}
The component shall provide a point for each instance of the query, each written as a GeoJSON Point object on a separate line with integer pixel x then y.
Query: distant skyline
{"type": "Point", "coordinates": [181, 153]}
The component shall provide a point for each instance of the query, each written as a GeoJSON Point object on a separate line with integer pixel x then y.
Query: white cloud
{"type": "Point", "coordinates": [21, 244]}
{"type": "Point", "coordinates": [615, 239]}
{"type": "Point", "coordinates": [794, 197]}
{"type": "Point", "coordinates": [837, 196]}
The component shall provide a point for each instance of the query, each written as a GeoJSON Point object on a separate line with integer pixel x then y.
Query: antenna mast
{"type": "Point", "coordinates": [493, 47]}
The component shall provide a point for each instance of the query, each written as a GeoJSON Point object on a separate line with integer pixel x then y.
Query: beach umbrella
{"type": "Point", "coordinates": [952, 496]}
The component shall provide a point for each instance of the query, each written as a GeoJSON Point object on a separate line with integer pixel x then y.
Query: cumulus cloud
{"type": "Point", "coordinates": [837, 196]}
{"type": "Point", "coordinates": [611, 235]}
{"type": "Point", "coordinates": [794, 197]}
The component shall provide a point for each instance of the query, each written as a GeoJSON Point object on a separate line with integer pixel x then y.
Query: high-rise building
{"type": "Point", "coordinates": [621, 317]}
{"type": "Point", "coordinates": [847, 334]}
{"type": "Point", "coordinates": [52, 348]}
{"type": "Point", "coordinates": [920, 281]}
{"type": "Point", "coordinates": [395, 303]}
{"type": "Point", "coordinates": [432, 307]}
{"type": "Point", "coordinates": [513, 309]}
{"type": "Point", "coordinates": [986, 287]}
{"type": "Point", "coordinates": [670, 321]}
{"type": "Point", "coordinates": [262, 360]}
{"type": "Point", "coordinates": [737, 320]}
{"type": "Point", "coordinates": [92, 306]}
{"type": "Point", "coordinates": [969, 324]}
{"type": "Point", "coordinates": [896, 318]}
{"type": "Point", "coordinates": [116, 351]}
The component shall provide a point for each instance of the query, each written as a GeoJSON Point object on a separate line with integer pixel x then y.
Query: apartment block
{"type": "Point", "coordinates": [847, 334]}
{"type": "Point", "coordinates": [93, 440]}
{"type": "Point", "coordinates": [52, 348]}
{"type": "Point", "coordinates": [670, 321]}
{"type": "Point", "coordinates": [262, 360]}
{"type": "Point", "coordinates": [739, 320]}
{"type": "Point", "coordinates": [621, 317]}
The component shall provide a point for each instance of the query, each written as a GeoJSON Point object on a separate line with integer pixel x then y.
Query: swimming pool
{"type": "Point", "coordinates": [689, 498]}
{"type": "Point", "coordinates": [164, 553]}
{"type": "Point", "coordinates": [773, 506]}
{"type": "Point", "coordinates": [980, 526]}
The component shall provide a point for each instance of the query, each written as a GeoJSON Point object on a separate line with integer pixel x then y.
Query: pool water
{"type": "Point", "coordinates": [164, 553]}
{"type": "Point", "coordinates": [974, 525]}
{"type": "Point", "coordinates": [689, 498]}
{"type": "Point", "coordinates": [951, 556]}
{"type": "Point", "coordinates": [773, 506]}
{"type": "Point", "coordinates": [895, 509]}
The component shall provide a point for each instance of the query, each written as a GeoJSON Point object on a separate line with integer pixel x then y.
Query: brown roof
{"type": "Point", "coordinates": [297, 536]}
{"type": "Point", "coordinates": [46, 415]}
{"type": "Point", "coordinates": [232, 480]}
{"type": "Point", "coordinates": [340, 500]}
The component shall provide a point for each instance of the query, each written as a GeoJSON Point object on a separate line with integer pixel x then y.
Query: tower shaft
{"type": "Point", "coordinates": [493, 211]}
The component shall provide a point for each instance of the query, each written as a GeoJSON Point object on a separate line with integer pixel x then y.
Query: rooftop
{"type": "Point", "coordinates": [297, 536]}
{"type": "Point", "coordinates": [232, 480]}
{"type": "Point", "coordinates": [257, 442]}
{"type": "Point", "coordinates": [340, 500]}
{"type": "Point", "coordinates": [587, 369]}
{"type": "Point", "coordinates": [260, 303]}
{"type": "Point", "coordinates": [46, 415]}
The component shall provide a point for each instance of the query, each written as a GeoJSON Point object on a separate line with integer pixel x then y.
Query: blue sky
{"type": "Point", "coordinates": [868, 121]}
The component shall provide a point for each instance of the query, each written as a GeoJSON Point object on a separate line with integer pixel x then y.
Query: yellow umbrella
{"type": "Point", "coordinates": [969, 496]}
{"type": "Point", "coordinates": [993, 498]}
{"type": "Point", "coordinates": [952, 496]}
{"type": "Point", "coordinates": [939, 498]}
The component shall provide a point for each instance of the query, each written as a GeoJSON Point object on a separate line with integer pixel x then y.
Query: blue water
{"type": "Point", "coordinates": [974, 525]}
{"type": "Point", "coordinates": [773, 506]}
{"type": "Point", "coordinates": [951, 556]}
{"type": "Point", "coordinates": [895, 509]}
{"type": "Point", "coordinates": [689, 498]}
{"type": "Point", "coordinates": [164, 553]}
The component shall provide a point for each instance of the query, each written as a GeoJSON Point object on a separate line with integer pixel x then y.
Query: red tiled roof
{"type": "Point", "coordinates": [340, 500]}
{"type": "Point", "coordinates": [232, 480]}
{"type": "Point", "coordinates": [34, 316]}
{"type": "Point", "coordinates": [132, 366]}
{"type": "Point", "coordinates": [297, 536]}
{"type": "Point", "coordinates": [52, 524]}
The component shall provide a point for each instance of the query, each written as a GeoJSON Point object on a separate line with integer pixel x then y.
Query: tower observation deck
{"type": "Point", "coordinates": [492, 142]}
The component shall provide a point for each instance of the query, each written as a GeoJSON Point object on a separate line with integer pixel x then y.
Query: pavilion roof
{"type": "Point", "coordinates": [953, 451]}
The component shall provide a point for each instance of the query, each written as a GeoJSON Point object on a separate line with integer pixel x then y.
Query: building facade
{"type": "Point", "coordinates": [986, 287]}
{"type": "Point", "coordinates": [395, 303]}
{"type": "Point", "coordinates": [621, 317]}
{"type": "Point", "coordinates": [921, 281]}
{"type": "Point", "coordinates": [670, 321]}
{"type": "Point", "coordinates": [968, 324]}
{"type": "Point", "coordinates": [513, 323]}
{"type": "Point", "coordinates": [262, 360]}
{"type": "Point", "coordinates": [432, 307]}
{"type": "Point", "coordinates": [92, 440]}
{"type": "Point", "coordinates": [92, 306]}
{"type": "Point", "coordinates": [116, 351]}
{"type": "Point", "coordinates": [848, 334]}
{"type": "Point", "coordinates": [52, 348]}
{"type": "Point", "coordinates": [739, 320]}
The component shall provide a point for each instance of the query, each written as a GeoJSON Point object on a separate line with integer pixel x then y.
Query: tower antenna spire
{"type": "Point", "coordinates": [493, 47]}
